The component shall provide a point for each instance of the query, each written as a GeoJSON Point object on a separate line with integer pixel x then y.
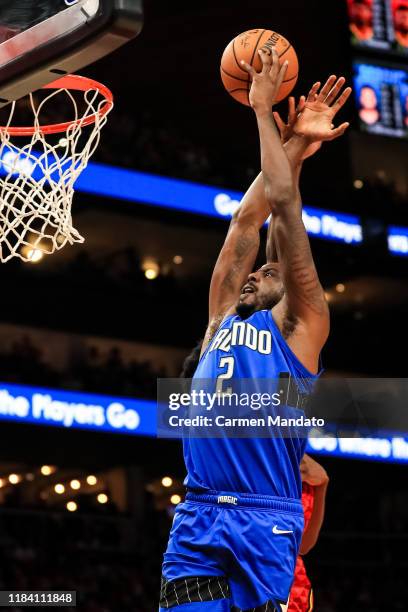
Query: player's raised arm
{"type": "Point", "coordinates": [238, 254]}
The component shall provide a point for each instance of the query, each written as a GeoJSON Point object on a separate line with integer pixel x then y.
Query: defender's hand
{"type": "Point", "coordinates": [312, 472]}
{"type": "Point", "coordinates": [286, 129]}
{"type": "Point", "coordinates": [265, 84]}
{"type": "Point", "coordinates": [315, 122]}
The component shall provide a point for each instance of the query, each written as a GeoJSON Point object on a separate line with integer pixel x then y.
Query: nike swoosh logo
{"type": "Point", "coordinates": [277, 531]}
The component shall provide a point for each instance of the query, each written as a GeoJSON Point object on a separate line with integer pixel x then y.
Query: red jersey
{"type": "Point", "coordinates": [301, 595]}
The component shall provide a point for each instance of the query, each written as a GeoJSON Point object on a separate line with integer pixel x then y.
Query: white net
{"type": "Point", "coordinates": [38, 172]}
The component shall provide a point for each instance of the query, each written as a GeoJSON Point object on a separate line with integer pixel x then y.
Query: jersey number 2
{"type": "Point", "coordinates": [225, 362]}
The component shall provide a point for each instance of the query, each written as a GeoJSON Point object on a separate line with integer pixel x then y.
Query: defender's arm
{"type": "Point", "coordinates": [304, 299]}
{"type": "Point", "coordinates": [315, 475]}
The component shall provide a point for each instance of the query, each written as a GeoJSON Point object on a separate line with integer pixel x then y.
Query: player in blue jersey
{"type": "Point", "coordinates": [234, 541]}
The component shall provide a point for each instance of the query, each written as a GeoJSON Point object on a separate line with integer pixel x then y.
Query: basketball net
{"type": "Point", "coordinates": [39, 167]}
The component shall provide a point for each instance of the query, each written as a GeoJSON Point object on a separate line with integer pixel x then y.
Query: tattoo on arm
{"type": "Point", "coordinates": [299, 270]}
{"type": "Point", "coordinates": [247, 244]}
{"type": "Point", "coordinates": [307, 284]}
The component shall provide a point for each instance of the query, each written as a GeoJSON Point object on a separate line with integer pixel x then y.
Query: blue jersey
{"type": "Point", "coordinates": [265, 466]}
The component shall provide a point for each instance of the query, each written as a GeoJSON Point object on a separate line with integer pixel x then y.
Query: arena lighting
{"type": "Point", "coordinates": [91, 480]}
{"type": "Point", "coordinates": [175, 499]}
{"type": "Point", "coordinates": [177, 259]}
{"type": "Point", "coordinates": [73, 410]}
{"type": "Point", "coordinates": [340, 288]}
{"type": "Point", "coordinates": [47, 470]}
{"type": "Point", "coordinates": [2, 483]}
{"type": "Point", "coordinates": [35, 255]}
{"type": "Point", "coordinates": [398, 240]}
{"type": "Point", "coordinates": [71, 506]}
{"type": "Point", "coordinates": [75, 484]}
{"type": "Point", "coordinates": [14, 479]}
{"type": "Point", "coordinates": [151, 273]}
{"type": "Point", "coordinates": [167, 481]}
{"type": "Point", "coordinates": [358, 184]}
{"type": "Point", "coordinates": [102, 498]}
{"type": "Point", "coordinates": [390, 449]}
{"type": "Point", "coordinates": [59, 488]}
{"type": "Point", "coordinates": [150, 268]}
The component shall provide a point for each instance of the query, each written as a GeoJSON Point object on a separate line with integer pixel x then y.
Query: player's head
{"type": "Point", "coordinates": [401, 18]}
{"type": "Point", "coordinates": [361, 12]}
{"type": "Point", "coordinates": [263, 289]}
{"type": "Point", "coordinates": [368, 97]}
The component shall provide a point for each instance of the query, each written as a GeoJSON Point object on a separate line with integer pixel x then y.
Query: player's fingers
{"type": "Point", "coordinates": [291, 109]}
{"type": "Point", "coordinates": [342, 99]}
{"type": "Point", "coordinates": [250, 70]}
{"type": "Point", "coordinates": [311, 97]}
{"type": "Point", "coordinates": [335, 90]}
{"type": "Point", "coordinates": [301, 104]}
{"type": "Point", "coordinates": [339, 131]}
{"type": "Point", "coordinates": [281, 75]}
{"type": "Point", "coordinates": [266, 59]}
{"type": "Point", "coordinates": [279, 122]}
{"type": "Point", "coordinates": [327, 87]}
{"type": "Point", "coordinates": [274, 71]}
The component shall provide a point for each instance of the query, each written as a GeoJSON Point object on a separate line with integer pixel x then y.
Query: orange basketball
{"type": "Point", "coordinates": [245, 47]}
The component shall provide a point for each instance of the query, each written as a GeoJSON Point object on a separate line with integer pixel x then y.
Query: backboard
{"type": "Point", "coordinates": [41, 40]}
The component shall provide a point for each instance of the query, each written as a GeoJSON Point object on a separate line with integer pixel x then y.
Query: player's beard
{"type": "Point", "coordinates": [245, 310]}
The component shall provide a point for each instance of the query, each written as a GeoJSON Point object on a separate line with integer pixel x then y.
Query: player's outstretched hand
{"type": "Point", "coordinates": [286, 129]}
{"type": "Point", "coordinates": [265, 84]}
{"type": "Point", "coordinates": [312, 472]}
{"type": "Point", "coordinates": [315, 122]}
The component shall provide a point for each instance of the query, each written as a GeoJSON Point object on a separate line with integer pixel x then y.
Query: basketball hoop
{"type": "Point", "coordinates": [38, 171]}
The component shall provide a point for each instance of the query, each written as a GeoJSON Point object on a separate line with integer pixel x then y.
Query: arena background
{"type": "Point", "coordinates": [90, 320]}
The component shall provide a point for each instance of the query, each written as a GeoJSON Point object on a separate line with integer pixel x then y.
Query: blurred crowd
{"type": "Point", "coordinates": [356, 588]}
{"type": "Point", "coordinates": [93, 372]}
{"type": "Point", "coordinates": [111, 564]}
{"type": "Point", "coordinates": [107, 295]}
{"type": "Point", "coordinates": [154, 142]}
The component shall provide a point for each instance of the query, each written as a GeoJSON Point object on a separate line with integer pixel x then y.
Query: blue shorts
{"type": "Point", "coordinates": [231, 551]}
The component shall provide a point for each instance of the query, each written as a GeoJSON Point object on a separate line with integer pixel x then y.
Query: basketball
{"type": "Point", "coordinates": [245, 47]}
